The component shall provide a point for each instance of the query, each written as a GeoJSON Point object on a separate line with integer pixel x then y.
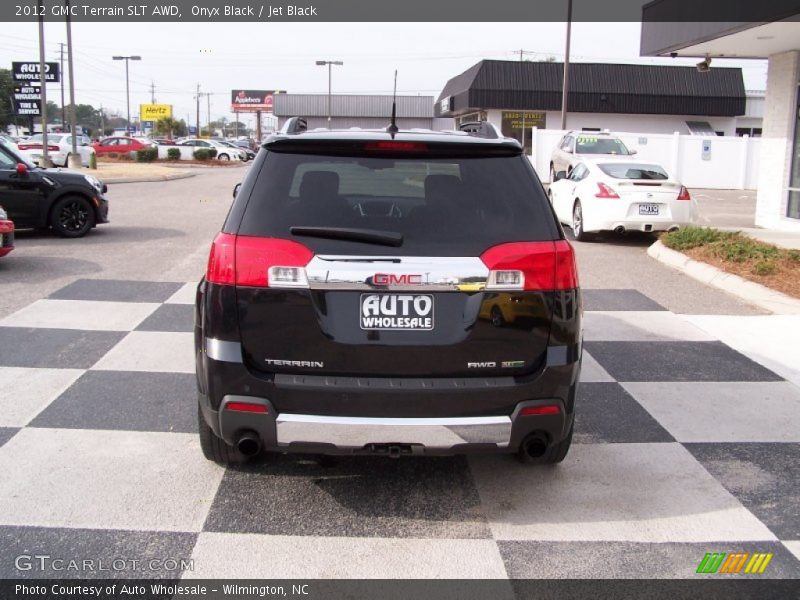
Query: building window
{"type": "Point", "coordinates": [793, 206]}
{"type": "Point", "coordinates": [517, 124]}
{"type": "Point", "coordinates": [597, 129]}
{"type": "Point", "coordinates": [751, 131]}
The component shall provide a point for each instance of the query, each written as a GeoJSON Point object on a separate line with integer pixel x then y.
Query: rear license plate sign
{"type": "Point", "coordinates": [648, 209]}
{"type": "Point", "coordinates": [396, 311]}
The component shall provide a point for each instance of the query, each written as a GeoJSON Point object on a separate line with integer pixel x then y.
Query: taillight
{"type": "Point", "coordinates": [684, 194]}
{"type": "Point", "coordinates": [605, 191]}
{"type": "Point", "coordinates": [53, 148]}
{"type": "Point", "coordinates": [531, 266]}
{"type": "Point", "coordinates": [547, 409]}
{"type": "Point", "coordinates": [257, 262]}
{"type": "Point", "coordinates": [250, 407]}
{"type": "Point", "coordinates": [221, 260]}
{"type": "Point", "coordinates": [396, 146]}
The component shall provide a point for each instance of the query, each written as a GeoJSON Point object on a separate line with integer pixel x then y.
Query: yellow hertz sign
{"type": "Point", "coordinates": [154, 112]}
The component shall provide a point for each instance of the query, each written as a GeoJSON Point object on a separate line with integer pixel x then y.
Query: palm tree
{"type": "Point", "coordinates": [166, 126]}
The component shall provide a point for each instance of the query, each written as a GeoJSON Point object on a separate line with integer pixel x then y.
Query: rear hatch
{"type": "Point", "coordinates": [396, 259]}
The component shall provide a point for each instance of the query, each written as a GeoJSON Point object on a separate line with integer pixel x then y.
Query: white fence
{"type": "Point", "coordinates": [187, 152]}
{"type": "Point", "coordinates": [732, 162]}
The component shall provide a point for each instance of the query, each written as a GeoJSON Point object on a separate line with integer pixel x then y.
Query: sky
{"type": "Point", "coordinates": [223, 56]}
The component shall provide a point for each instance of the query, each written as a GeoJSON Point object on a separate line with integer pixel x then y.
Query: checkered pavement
{"type": "Point", "coordinates": [682, 446]}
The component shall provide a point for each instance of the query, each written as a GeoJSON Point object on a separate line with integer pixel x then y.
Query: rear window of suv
{"type": "Point", "coordinates": [441, 206]}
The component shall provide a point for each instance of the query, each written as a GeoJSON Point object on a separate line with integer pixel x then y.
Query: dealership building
{"type": "Point", "coordinates": [775, 37]}
{"type": "Point", "coordinates": [517, 95]}
{"type": "Point", "coordinates": [367, 111]}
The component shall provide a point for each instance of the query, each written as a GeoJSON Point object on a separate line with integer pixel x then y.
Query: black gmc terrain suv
{"type": "Point", "coordinates": [391, 293]}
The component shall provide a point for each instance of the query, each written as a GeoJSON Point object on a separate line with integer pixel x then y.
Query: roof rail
{"type": "Point", "coordinates": [482, 129]}
{"type": "Point", "coordinates": [295, 125]}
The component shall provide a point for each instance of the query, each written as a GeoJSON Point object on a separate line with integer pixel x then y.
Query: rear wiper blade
{"type": "Point", "coordinates": [370, 236]}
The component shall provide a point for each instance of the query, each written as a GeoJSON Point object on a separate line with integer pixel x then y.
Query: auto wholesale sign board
{"type": "Point", "coordinates": [31, 108]}
{"type": "Point", "coordinates": [29, 72]}
{"type": "Point", "coordinates": [155, 112]}
{"type": "Point", "coordinates": [252, 100]}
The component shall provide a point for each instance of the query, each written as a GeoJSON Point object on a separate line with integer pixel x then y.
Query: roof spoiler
{"type": "Point", "coordinates": [482, 129]}
{"type": "Point", "coordinates": [294, 126]}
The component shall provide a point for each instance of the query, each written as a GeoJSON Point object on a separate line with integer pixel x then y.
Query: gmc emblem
{"type": "Point", "coordinates": [392, 279]}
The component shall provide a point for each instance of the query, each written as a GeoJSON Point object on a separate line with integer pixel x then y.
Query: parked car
{"type": "Point", "coordinates": [59, 147]}
{"type": "Point", "coordinates": [223, 152]}
{"type": "Point", "coordinates": [120, 145]}
{"type": "Point", "coordinates": [246, 152]}
{"type": "Point", "coordinates": [164, 141]}
{"type": "Point", "coordinates": [6, 233]}
{"type": "Point", "coordinates": [342, 308]}
{"type": "Point", "coordinates": [578, 144]}
{"type": "Point", "coordinates": [616, 194]}
{"type": "Point", "coordinates": [68, 202]}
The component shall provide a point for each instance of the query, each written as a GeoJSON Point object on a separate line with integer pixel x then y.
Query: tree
{"type": "Point", "coordinates": [166, 126]}
{"type": "Point", "coordinates": [6, 93]}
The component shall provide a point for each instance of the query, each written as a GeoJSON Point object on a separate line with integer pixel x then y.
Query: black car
{"type": "Point", "coordinates": [346, 307]}
{"type": "Point", "coordinates": [68, 202]}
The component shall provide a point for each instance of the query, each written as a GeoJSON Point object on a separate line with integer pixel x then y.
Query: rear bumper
{"type": "Point", "coordinates": [325, 434]}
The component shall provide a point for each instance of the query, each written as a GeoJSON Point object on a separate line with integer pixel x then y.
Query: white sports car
{"type": "Point", "coordinates": [59, 146]}
{"type": "Point", "coordinates": [620, 194]}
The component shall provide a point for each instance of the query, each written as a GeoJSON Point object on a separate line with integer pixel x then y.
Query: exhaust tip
{"type": "Point", "coordinates": [534, 446]}
{"type": "Point", "coordinates": [249, 444]}
{"type": "Point", "coordinates": [619, 229]}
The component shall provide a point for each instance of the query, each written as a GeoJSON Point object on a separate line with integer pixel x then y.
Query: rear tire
{"type": "Point", "coordinates": [72, 217]}
{"type": "Point", "coordinates": [577, 223]}
{"type": "Point", "coordinates": [215, 448]}
{"type": "Point", "coordinates": [224, 156]}
{"type": "Point", "coordinates": [66, 160]}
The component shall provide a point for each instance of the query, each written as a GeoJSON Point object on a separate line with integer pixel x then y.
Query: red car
{"type": "Point", "coordinates": [6, 233]}
{"type": "Point", "coordinates": [120, 145]}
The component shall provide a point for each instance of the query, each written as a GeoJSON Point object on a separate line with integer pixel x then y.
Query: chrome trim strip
{"type": "Point", "coordinates": [437, 273]}
{"type": "Point", "coordinates": [224, 351]}
{"type": "Point", "coordinates": [357, 432]}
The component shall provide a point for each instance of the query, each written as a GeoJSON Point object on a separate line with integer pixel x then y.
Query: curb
{"type": "Point", "coordinates": [149, 179]}
{"type": "Point", "coordinates": [749, 291]}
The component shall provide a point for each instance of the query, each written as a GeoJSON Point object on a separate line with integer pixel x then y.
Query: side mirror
{"type": "Point", "coordinates": [568, 150]}
{"type": "Point", "coordinates": [560, 175]}
{"type": "Point", "coordinates": [22, 168]}
{"type": "Point", "coordinates": [236, 189]}
{"type": "Point", "coordinates": [632, 152]}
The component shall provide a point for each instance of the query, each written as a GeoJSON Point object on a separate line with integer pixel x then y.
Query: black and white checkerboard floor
{"type": "Point", "coordinates": [683, 446]}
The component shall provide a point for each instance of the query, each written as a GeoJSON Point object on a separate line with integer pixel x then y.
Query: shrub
{"type": "Point", "coordinates": [741, 249]}
{"type": "Point", "coordinates": [765, 267]}
{"type": "Point", "coordinates": [173, 154]}
{"type": "Point", "coordinates": [793, 255]}
{"type": "Point", "coordinates": [93, 161]}
{"type": "Point", "coordinates": [201, 154]}
{"type": "Point", "coordinates": [147, 154]}
{"type": "Point", "coordinates": [692, 237]}
{"type": "Point", "coordinates": [212, 152]}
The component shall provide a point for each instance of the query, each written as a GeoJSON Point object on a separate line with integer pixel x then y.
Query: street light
{"type": "Point", "coordinates": [329, 63]}
{"type": "Point", "coordinates": [127, 84]}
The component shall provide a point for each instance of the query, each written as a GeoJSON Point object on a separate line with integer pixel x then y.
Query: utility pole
{"type": "Point", "coordinates": [45, 161]}
{"type": "Point", "coordinates": [102, 122]}
{"type": "Point", "coordinates": [127, 85]}
{"type": "Point", "coordinates": [63, 109]}
{"type": "Point", "coordinates": [152, 92]}
{"type": "Point", "coordinates": [329, 63]}
{"type": "Point", "coordinates": [208, 113]}
{"type": "Point", "coordinates": [197, 97]}
{"type": "Point", "coordinates": [565, 90]}
{"type": "Point", "coordinates": [74, 160]}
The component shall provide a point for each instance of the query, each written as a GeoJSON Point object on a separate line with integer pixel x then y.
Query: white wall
{"type": "Point", "coordinates": [625, 122]}
{"type": "Point", "coordinates": [733, 162]}
{"type": "Point", "coordinates": [186, 151]}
